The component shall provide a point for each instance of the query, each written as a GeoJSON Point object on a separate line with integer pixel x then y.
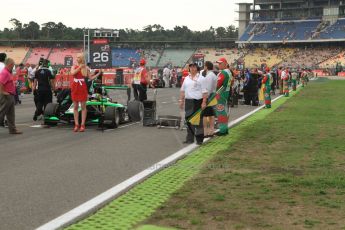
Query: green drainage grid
{"type": "Point", "coordinates": [133, 207]}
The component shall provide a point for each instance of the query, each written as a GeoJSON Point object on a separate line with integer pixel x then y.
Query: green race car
{"type": "Point", "coordinates": [102, 109]}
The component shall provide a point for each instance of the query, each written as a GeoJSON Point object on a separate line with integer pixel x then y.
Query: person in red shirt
{"type": "Point", "coordinates": [7, 94]}
{"type": "Point", "coordinates": [140, 81]}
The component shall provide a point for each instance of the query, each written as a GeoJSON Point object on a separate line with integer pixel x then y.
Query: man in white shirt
{"type": "Point", "coordinates": [2, 66]}
{"type": "Point", "coordinates": [166, 76]}
{"type": "Point", "coordinates": [193, 96]}
{"type": "Point", "coordinates": [210, 80]}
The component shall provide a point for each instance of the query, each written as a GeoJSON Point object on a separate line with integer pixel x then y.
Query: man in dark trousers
{"type": "Point", "coordinates": [193, 96]}
{"type": "Point", "coordinates": [2, 66]}
{"type": "Point", "coordinates": [42, 89]}
{"type": "Point", "coordinates": [140, 81]}
{"type": "Point", "coordinates": [7, 93]}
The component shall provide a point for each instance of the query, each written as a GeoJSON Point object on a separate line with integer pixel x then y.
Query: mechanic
{"type": "Point", "coordinates": [140, 82]}
{"type": "Point", "coordinates": [42, 89]}
{"type": "Point", "coordinates": [79, 91]}
{"type": "Point", "coordinates": [7, 94]}
{"type": "Point", "coordinates": [193, 97]}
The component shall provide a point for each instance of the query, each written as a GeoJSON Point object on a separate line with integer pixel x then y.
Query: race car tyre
{"type": "Point", "coordinates": [50, 111]}
{"type": "Point", "coordinates": [111, 117]}
{"type": "Point", "coordinates": [135, 110]}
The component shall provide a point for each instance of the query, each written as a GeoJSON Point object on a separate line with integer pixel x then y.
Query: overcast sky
{"type": "Point", "coordinates": [134, 14]}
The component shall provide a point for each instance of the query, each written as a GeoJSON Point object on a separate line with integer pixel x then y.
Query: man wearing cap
{"type": "Point", "coordinates": [193, 97]}
{"type": "Point", "coordinates": [266, 82]}
{"type": "Point", "coordinates": [224, 82]}
{"type": "Point", "coordinates": [140, 81]}
{"type": "Point", "coordinates": [7, 93]}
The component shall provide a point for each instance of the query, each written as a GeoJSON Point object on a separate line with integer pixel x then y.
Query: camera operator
{"type": "Point", "coordinates": [42, 88]}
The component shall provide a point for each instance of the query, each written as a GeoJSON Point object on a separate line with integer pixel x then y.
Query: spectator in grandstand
{"type": "Point", "coordinates": [42, 89]}
{"type": "Point", "coordinates": [7, 93]}
{"type": "Point", "coordinates": [79, 92]}
{"type": "Point", "coordinates": [211, 86]}
{"type": "Point", "coordinates": [193, 97]}
{"type": "Point", "coordinates": [223, 91]}
{"type": "Point", "coordinates": [140, 81]}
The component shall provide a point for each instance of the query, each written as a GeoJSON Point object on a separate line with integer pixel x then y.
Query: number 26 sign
{"type": "Point", "coordinates": [100, 56]}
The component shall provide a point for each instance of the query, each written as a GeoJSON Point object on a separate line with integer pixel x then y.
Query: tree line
{"type": "Point", "coordinates": [156, 32]}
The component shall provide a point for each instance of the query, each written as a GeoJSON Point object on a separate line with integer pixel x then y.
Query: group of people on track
{"type": "Point", "coordinates": [205, 95]}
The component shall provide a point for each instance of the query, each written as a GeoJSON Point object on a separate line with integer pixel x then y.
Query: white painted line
{"type": "Point", "coordinates": [36, 126]}
{"type": "Point", "coordinates": [122, 126]}
{"type": "Point", "coordinates": [99, 201]}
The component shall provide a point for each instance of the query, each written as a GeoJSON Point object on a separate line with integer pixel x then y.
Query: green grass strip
{"type": "Point", "coordinates": [141, 202]}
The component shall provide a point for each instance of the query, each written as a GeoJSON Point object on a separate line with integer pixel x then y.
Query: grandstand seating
{"type": "Point", "coordinates": [16, 53]}
{"type": "Point", "coordinates": [57, 55]}
{"type": "Point", "coordinates": [248, 32]}
{"type": "Point", "coordinates": [175, 57]}
{"type": "Point", "coordinates": [151, 56]}
{"type": "Point", "coordinates": [124, 57]}
{"type": "Point", "coordinates": [310, 57]}
{"type": "Point", "coordinates": [335, 31]}
{"type": "Point", "coordinates": [332, 61]}
{"type": "Point", "coordinates": [270, 57]}
{"type": "Point", "coordinates": [36, 54]}
{"type": "Point", "coordinates": [280, 31]}
{"type": "Point", "coordinates": [213, 55]}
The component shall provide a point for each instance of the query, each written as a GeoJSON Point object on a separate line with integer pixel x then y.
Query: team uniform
{"type": "Point", "coordinates": [224, 82]}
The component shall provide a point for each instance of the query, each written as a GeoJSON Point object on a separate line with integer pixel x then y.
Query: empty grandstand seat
{"type": "Point", "coordinates": [57, 55]}
{"type": "Point", "coordinates": [281, 31]}
{"type": "Point", "coordinates": [212, 54]}
{"type": "Point", "coordinates": [16, 53]}
{"type": "Point", "coordinates": [151, 56]}
{"type": "Point", "coordinates": [124, 57]}
{"type": "Point", "coordinates": [175, 57]}
{"type": "Point", "coordinates": [335, 31]}
{"type": "Point", "coordinates": [37, 53]}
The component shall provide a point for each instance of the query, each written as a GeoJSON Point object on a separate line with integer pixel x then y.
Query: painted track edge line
{"type": "Point", "coordinates": [99, 201]}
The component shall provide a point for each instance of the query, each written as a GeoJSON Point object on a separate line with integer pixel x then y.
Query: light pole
{"type": "Point", "coordinates": [87, 44]}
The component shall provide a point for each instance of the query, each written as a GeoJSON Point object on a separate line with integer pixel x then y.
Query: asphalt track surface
{"type": "Point", "coordinates": [48, 171]}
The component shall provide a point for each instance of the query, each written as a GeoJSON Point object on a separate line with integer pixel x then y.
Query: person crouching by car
{"type": "Point", "coordinates": [140, 82]}
{"type": "Point", "coordinates": [193, 97]}
{"type": "Point", "coordinates": [209, 113]}
{"type": "Point", "coordinates": [42, 89]}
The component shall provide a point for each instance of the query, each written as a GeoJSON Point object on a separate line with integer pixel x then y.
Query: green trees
{"type": "Point", "coordinates": [156, 32]}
